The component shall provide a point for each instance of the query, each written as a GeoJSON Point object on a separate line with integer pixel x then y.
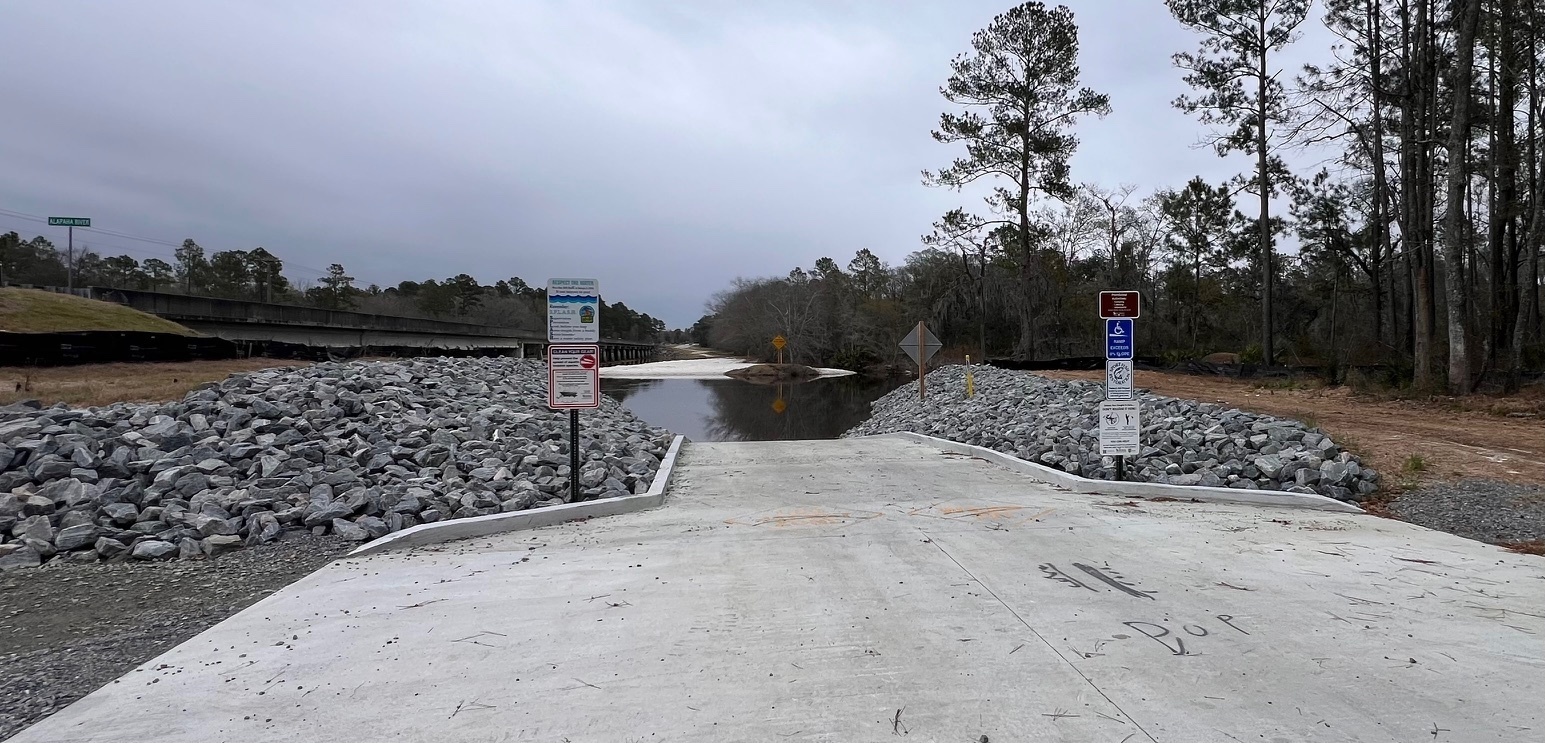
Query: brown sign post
{"type": "Point", "coordinates": [1116, 305]}
{"type": "Point", "coordinates": [921, 344]}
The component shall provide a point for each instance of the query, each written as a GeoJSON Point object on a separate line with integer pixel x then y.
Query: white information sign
{"type": "Point", "coordinates": [1118, 380]}
{"type": "Point", "coordinates": [1121, 422]}
{"type": "Point", "coordinates": [573, 311]}
{"type": "Point", "coordinates": [573, 377]}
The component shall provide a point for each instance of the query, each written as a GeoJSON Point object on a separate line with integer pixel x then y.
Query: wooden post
{"type": "Point", "coordinates": [922, 362]}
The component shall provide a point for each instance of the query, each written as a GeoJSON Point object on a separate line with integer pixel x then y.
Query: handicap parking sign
{"type": "Point", "coordinates": [1118, 339]}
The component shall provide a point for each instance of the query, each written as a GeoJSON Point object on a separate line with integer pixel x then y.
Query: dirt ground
{"type": "Point", "coordinates": [104, 384]}
{"type": "Point", "coordinates": [67, 629]}
{"type": "Point", "coordinates": [1493, 438]}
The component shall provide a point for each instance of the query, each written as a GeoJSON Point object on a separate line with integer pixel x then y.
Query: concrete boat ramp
{"type": "Point", "coordinates": [873, 590]}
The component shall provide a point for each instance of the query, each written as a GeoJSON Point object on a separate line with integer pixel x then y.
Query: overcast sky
{"type": "Point", "coordinates": [663, 147]}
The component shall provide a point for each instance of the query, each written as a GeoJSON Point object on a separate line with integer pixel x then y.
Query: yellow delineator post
{"type": "Point", "coordinates": [970, 383]}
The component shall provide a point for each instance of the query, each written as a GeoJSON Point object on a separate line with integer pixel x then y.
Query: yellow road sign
{"type": "Point", "coordinates": [779, 342]}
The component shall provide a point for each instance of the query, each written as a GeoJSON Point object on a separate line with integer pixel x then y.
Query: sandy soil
{"type": "Point", "coordinates": [1451, 442]}
{"type": "Point", "coordinates": [703, 368]}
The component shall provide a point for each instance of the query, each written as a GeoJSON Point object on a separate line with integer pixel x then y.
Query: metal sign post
{"type": "Point", "coordinates": [71, 223]}
{"type": "Point", "coordinates": [1120, 414]}
{"type": "Point", "coordinates": [921, 345]}
{"type": "Point", "coordinates": [779, 342]}
{"type": "Point", "coordinates": [573, 383]}
{"type": "Point", "coordinates": [573, 371]}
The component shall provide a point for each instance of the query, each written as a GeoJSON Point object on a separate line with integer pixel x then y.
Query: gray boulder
{"type": "Point", "coordinates": [16, 557]}
{"type": "Point", "coordinates": [349, 530]}
{"type": "Point", "coordinates": [152, 549]}
{"type": "Point", "coordinates": [374, 526]}
{"type": "Point", "coordinates": [36, 505]}
{"type": "Point", "coordinates": [220, 544]}
{"type": "Point", "coordinates": [189, 549]}
{"type": "Point", "coordinates": [318, 514]}
{"type": "Point", "coordinates": [122, 514]}
{"type": "Point", "coordinates": [36, 527]}
{"type": "Point", "coordinates": [110, 547]}
{"type": "Point", "coordinates": [76, 537]}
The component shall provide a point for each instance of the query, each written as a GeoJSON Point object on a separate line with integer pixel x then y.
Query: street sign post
{"type": "Point", "coordinates": [1118, 380]}
{"type": "Point", "coordinates": [573, 311]}
{"type": "Point", "coordinates": [72, 223]}
{"type": "Point", "coordinates": [1120, 416]}
{"type": "Point", "coordinates": [1121, 304]}
{"type": "Point", "coordinates": [1118, 340]}
{"type": "Point", "coordinates": [779, 342]}
{"type": "Point", "coordinates": [921, 344]}
{"type": "Point", "coordinates": [573, 382]}
{"type": "Point", "coordinates": [1121, 421]}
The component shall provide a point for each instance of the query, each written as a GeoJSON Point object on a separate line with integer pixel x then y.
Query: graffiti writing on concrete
{"type": "Point", "coordinates": [1053, 572]}
{"type": "Point", "coordinates": [1175, 642]}
{"type": "Point", "coordinates": [1120, 585]}
{"type": "Point", "coordinates": [1107, 576]}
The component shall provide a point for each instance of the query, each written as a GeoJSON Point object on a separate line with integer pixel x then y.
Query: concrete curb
{"type": "Point", "coordinates": [498, 523]}
{"type": "Point", "coordinates": [1078, 484]}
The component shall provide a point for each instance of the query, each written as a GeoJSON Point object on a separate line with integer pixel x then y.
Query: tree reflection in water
{"type": "Point", "coordinates": [732, 410]}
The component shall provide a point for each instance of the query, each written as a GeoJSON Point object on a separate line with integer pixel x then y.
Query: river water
{"type": "Point", "coordinates": [732, 410]}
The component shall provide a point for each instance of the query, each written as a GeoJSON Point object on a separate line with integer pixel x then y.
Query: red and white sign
{"type": "Point", "coordinates": [1116, 305]}
{"type": "Point", "coordinates": [573, 377]}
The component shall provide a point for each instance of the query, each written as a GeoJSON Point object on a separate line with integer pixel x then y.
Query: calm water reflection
{"type": "Point", "coordinates": [732, 410]}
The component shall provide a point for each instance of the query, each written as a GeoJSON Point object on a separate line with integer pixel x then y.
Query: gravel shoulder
{"type": "Point", "coordinates": [1481, 474]}
{"type": "Point", "coordinates": [1453, 443]}
{"type": "Point", "coordinates": [1485, 510]}
{"type": "Point", "coordinates": [67, 629]}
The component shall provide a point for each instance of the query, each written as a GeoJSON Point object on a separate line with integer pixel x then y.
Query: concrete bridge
{"type": "Point", "coordinates": [256, 323]}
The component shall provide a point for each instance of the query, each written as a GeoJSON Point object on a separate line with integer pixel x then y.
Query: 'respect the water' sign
{"type": "Point", "coordinates": [573, 310]}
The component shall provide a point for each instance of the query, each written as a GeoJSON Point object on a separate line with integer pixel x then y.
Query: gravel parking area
{"type": "Point", "coordinates": [1487, 510]}
{"type": "Point", "coordinates": [67, 629]}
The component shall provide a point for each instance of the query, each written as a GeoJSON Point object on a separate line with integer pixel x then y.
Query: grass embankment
{"type": "Point", "coordinates": [37, 311]}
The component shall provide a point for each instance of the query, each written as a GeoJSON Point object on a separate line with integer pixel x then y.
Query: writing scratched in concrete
{"type": "Point", "coordinates": [1051, 571]}
{"type": "Point", "coordinates": [1120, 585]}
{"type": "Point", "coordinates": [1175, 642]}
{"type": "Point", "coordinates": [1111, 578]}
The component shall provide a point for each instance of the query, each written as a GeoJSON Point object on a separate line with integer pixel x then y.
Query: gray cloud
{"type": "Point", "coordinates": [665, 148]}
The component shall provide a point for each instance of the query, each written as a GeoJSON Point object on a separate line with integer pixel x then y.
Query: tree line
{"type": "Point", "coordinates": [258, 275]}
{"type": "Point", "coordinates": [1415, 247]}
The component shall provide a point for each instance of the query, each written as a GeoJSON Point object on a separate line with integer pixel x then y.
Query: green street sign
{"type": "Point", "coordinates": [69, 221]}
